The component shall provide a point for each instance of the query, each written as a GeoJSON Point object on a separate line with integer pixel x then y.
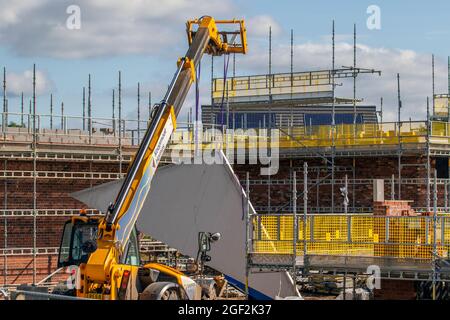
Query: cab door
{"type": "Point", "coordinates": [130, 286]}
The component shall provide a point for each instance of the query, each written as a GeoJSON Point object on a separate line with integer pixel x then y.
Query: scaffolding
{"type": "Point", "coordinates": [351, 235]}
{"type": "Point", "coordinates": [404, 247]}
{"type": "Point", "coordinates": [357, 235]}
{"type": "Point", "coordinates": [274, 232]}
{"type": "Point", "coordinates": [40, 167]}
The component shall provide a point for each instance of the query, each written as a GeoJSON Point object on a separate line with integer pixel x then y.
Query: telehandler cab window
{"type": "Point", "coordinates": [75, 239]}
{"type": "Point", "coordinates": [132, 255]}
{"type": "Point", "coordinates": [81, 235]}
{"type": "Point", "coordinates": [64, 250]}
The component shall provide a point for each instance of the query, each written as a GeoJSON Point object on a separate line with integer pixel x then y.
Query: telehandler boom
{"type": "Point", "coordinates": [105, 249]}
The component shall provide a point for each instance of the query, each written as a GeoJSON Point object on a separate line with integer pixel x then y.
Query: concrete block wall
{"type": "Point", "coordinates": [70, 136]}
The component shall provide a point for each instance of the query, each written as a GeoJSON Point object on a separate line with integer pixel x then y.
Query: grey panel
{"type": "Point", "coordinates": [187, 199]}
{"type": "Point", "coordinates": [99, 197]}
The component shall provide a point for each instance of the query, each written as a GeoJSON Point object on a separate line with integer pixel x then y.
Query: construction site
{"type": "Point", "coordinates": [356, 209]}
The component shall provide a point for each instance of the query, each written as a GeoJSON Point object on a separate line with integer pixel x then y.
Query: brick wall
{"type": "Point", "coordinates": [365, 168]}
{"type": "Point", "coordinates": [51, 194]}
{"type": "Point", "coordinates": [19, 231]}
{"type": "Point", "coordinates": [55, 193]}
{"type": "Point", "coordinates": [393, 208]}
{"type": "Point", "coordinates": [20, 269]}
{"type": "Point", "coordinates": [396, 290]}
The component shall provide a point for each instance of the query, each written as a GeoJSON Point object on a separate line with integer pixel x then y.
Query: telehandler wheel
{"type": "Point", "coordinates": [161, 291]}
{"type": "Point", "coordinates": [20, 296]}
{"type": "Point", "coordinates": [169, 294]}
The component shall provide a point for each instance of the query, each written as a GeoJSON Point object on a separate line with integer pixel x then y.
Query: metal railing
{"type": "Point", "coordinates": [70, 130]}
{"type": "Point", "coordinates": [281, 83]}
{"type": "Point", "coordinates": [319, 136]}
{"type": "Point", "coordinates": [74, 129]}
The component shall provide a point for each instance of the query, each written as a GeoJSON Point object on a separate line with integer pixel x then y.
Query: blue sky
{"type": "Point", "coordinates": [417, 25]}
{"type": "Point", "coordinates": [143, 39]}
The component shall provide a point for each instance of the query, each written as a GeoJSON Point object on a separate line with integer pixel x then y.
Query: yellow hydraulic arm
{"type": "Point", "coordinates": [115, 228]}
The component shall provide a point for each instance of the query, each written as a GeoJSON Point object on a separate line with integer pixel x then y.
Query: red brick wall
{"type": "Point", "coordinates": [20, 269]}
{"type": "Point", "coordinates": [51, 194]}
{"type": "Point", "coordinates": [54, 193]}
{"type": "Point", "coordinates": [20, 231]}
{"type": "Point", "coordinates": [393, 208]}
{"type": "Point", "coordinates": [365, 168]}
{"type": "Point", "coordinates": [396, 290]}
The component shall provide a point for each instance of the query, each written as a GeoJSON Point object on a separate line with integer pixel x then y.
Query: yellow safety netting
{"type": "Point", "coordinates": [352, 235]}
{"type": "Point", "coordinates": [341, 136]}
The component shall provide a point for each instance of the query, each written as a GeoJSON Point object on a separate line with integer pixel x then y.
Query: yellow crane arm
{"type": "Point", "coordinates": [116, 227]}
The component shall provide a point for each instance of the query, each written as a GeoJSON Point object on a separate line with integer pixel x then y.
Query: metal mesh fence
{"type": "Point", "coordinates": [352, 235]}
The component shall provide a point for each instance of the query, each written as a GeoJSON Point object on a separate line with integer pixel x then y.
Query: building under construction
{"type": "Point", "coordinates": [350, 191]}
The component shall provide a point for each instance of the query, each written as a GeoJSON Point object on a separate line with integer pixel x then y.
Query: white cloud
{"type": "Point", "coordinates": [116, 27]}
{"type": "Point", "coordinates": [111, 27]}
{"type": "Point", "coordinates": [16, 83]}
{"type": "Point", "coordinates": [13, 11]}
{"type": "Point", "coordinates": [414, 69]}
{"type": "Point", "coordinates": [258, 26]}
{"type": "Point", "coordinates": [108, 28]}
{"type": "Point", "coordinates": [158, 90]}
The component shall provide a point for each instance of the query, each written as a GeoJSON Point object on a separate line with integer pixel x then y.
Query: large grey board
{"type": "Point", "coordinates": [187, 199]}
